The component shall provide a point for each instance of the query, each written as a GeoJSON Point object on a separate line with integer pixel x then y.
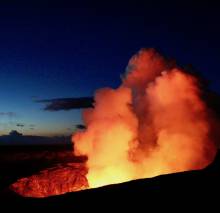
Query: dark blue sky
{"type": "Point", "coordinates": [59, 51]}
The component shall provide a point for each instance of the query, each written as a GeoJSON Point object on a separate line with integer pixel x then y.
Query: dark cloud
{"type": "Point", "coordinates": [9, 114]}
{"type": "Point", "coordinates": [32, 125]}
{"type": "Point", "coordinates": [80, 126]}
{"type": "Point", "coordinates": [15, 133]}
{"type": "Point", "coordinates": [67, 103]}
{"type": "Point", "coordinates": [20, 125]}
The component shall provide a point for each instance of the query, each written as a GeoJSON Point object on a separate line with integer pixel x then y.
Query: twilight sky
{"type": "Point", "coordinates": [52, 51]}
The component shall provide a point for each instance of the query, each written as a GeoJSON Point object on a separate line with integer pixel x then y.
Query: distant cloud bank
{"type": "Point", "coordinates": [9, 114]}
{"type": "Point", "coordinates": [67, 103]}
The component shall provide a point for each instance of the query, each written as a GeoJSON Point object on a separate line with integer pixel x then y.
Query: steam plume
{"type": "Point", "coordinates": [153, 123]}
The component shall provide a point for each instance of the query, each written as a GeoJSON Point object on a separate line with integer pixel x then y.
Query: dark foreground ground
{"type": "Point", "coordinates": [167, 192]}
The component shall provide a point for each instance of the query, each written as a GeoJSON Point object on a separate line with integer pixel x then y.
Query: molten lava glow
{"type": "Point", "coordinates": [153, 123]}
{"type": "Point", "coordinates": [53, 181]}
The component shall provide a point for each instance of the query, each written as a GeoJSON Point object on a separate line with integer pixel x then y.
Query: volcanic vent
{"type": "Point", "coordinates": [154, 123]}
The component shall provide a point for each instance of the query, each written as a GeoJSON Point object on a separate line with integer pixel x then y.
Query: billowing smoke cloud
{"type": "Point", "coordinates": [67, 103]}
{"type": "Point", "coordinates": [153, 123]}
